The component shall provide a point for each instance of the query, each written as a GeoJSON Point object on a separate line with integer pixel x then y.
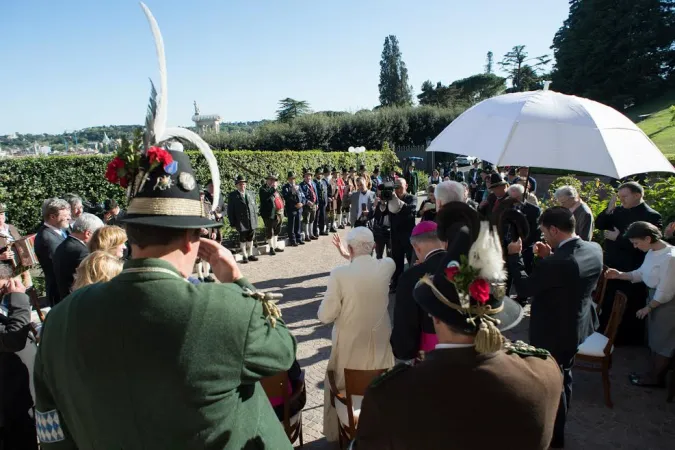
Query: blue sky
{"type": "Point", "coordinates": [71, 64]}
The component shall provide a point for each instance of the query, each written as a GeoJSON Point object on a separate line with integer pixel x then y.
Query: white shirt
{"type": "Point", "coordinates": [363, 198]}
{"type": "Point", "coordinates": [58, 231]}
{"type": "Point", "coordinates": [658, 272]}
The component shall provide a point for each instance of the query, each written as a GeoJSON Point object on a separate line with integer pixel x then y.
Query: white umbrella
{"type": "Point", "coordinates": [552, 130]}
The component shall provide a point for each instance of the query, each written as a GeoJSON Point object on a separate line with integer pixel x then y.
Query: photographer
{"type": "Point", "coordinates": [403, 208]}
{"type": "Point", "coordinates": [17, 355]}
{"type": "Point", "coordinates": [362, 203]}
{"type": "Point", "coordinates": [381, 219]}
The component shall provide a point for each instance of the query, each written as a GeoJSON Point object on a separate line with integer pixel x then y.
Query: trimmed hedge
{"type": "Point", "coordinates": [26, 182]}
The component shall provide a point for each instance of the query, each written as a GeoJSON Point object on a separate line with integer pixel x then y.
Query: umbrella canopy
{"type": "Point", "coordinates": [552, 130]}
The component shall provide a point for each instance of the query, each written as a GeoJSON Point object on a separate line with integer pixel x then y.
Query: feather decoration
{"type": "Point", "coordinates": [485, 254]}
{"type": "Point", "coordinates": [149, 135]}
{"type": "Point", "coordinates": [160, 117]}
{"type": "Point", "coordinates": [191, 136]}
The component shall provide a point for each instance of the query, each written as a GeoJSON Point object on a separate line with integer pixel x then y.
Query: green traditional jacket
{"type": "Point", "coordinates": [151, 361]}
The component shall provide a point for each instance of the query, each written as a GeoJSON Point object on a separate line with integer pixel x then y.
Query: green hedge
{"type": "Point", "coordinates": [26, 182]}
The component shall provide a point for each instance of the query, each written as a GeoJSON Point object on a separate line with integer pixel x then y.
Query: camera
{"type": "Point", "coordinates": [386, 190]}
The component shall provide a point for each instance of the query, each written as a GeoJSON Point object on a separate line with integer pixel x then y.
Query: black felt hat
{"type": "Point", "coordinates": [240, 179]}
{"type": "Point", "coordinates": [306, 171]}
{"type": "Point", "coordinates": [453, 216]}
{"type": "Point", "coordinates": [326, 170]}
{"type": "Point", "coordinates": [344, 170]}
{"type": "Point", "coordinates": [439, 297]}
{"type": "Point", "coordinates": [319, 170]}
{"type": "Point", "coordinates": [273, 176]}
{"type": "Point", "coordinates": [167, 196]}
{"type": "Point", "coordinates": [291, 174]}
{"type": "Point", "coordinates": [352, 169]}
{"type": "Point", "coordinates": [362, 168]}
{"type": "Point", "coordinates": [497, 180]}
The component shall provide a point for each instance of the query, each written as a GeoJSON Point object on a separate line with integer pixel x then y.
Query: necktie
{"type": "Point", "coordinates": [63, 234]}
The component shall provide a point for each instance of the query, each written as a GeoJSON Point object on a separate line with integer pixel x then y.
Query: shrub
{"type": "Point", "coordinates": [26, 182]}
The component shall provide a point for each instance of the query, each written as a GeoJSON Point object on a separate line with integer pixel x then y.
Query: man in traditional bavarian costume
{"type": "Point", "coordinates": [272, 212]}
{"type": "Point", "coordinates": [149, 360]}
{"type": "Point", "coordinates": [338, 196]}
{"type": "Point", "coordinates": [350, 186]}
{"type": "Point", "coordinates": [472, 391]}
{"type": "Point", "coordinates": [243, 216]}
{"type": "Point", "coordinates": [294, 201]}
{"type": "Point", "coordinates": [309, 215]}
{"type": "Point", "coordinates": [322, 202]}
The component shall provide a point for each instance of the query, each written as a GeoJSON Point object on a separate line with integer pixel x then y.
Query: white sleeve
{"type": "Point", "coordinates": [329, 310]}
{"type": "Point", "coordinates": [636, 275]}
{"type": "Point", "coordinates": [666, 288]}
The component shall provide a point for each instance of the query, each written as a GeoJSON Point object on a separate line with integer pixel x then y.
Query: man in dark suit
{"type": "Point", "coordinates": [324, 194]}
{"type": "Point", "coordinates": [309, 206]}
{"type": "Point", "coordinates": [560, 286]}
{"type": "Point", "coordinates": [413, 329]}
{"type": "Point", "coordinates": [17, 354]}
{"type": "Point", "coordinates": [621, 255]}
{"type": "Point", "coordinates": [294, 201]}
{"type": "Point", "coordinates": [243, 216]}
{"type": "Point", "coordinates": [56, 216]}
{"type": "Point", "coordinates": [532, 213]}
{"type": "Point", "coordinates": [497, 187]}
{"type": "Point", "coordinates": [70, 253]}
{"type": "Point", "coordinates": [403, 210]}
{"type": "Point", "coordinates": [455, 174]}
{"type": "Point", "coordinates": [474, 179]}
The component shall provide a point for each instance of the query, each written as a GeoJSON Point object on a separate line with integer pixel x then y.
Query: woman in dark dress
{"type": "Point", "coordinates": [428, 207]}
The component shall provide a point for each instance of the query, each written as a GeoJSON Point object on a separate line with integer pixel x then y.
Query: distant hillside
{"type": "Point", "coordinates": [654, 119]}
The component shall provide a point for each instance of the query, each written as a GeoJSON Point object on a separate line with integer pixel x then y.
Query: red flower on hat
{"type": "Point", "coordinates": [115, 166]}
{"type": "Point", "coordinates": [159, 157]}
{"type": "Point", "coordinates": [450, 272]}
{"type": "Point", "coordinates": [480, 290]}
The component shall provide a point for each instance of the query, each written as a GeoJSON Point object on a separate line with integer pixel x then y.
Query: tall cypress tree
{"type": "Point", "coordinates": [394, 87]}
{"type": "Point", "coordinates": [618, 52]}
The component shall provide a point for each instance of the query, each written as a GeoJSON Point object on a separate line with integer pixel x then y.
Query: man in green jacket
{"type": "Point", "coordinates": [149, 360]}
{"type": "Point", "coordinates": [272, 212]}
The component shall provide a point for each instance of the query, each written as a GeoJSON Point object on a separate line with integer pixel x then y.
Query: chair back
{"type": "Point", "coordinates": [600, 288]}
{"type": "Point", "coordinates": [615, 318]}
{"type": "Point", "coordinates": [357, 381]}
{"type": "Point", "coordinates": [276, 385]}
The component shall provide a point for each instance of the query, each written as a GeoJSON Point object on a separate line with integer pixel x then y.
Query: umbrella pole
{"type": "Point", "coordinates": [527, 183]}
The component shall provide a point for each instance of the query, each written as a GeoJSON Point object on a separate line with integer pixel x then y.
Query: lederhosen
{"type": "Point", "coordinates": [273, 226]}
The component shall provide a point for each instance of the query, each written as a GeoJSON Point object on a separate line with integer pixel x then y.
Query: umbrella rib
{"type": "Point", "coordinates": [508, 141]}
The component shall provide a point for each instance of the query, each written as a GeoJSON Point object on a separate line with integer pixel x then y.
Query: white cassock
{"type": "Point", "coordinates": [356, 301]}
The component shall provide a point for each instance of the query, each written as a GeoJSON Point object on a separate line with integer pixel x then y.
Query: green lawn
{"type": "Point", "coordinates": [657, 125]}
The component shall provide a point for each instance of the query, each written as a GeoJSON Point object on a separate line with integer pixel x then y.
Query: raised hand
{"type": "Point", "coordinates": [222, 261]}
{"type": "Point", "coordinates": [542, 249]}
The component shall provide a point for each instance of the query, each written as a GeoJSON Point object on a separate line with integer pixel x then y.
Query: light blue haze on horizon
{"type": "Point", "coordinates": [72, 64]}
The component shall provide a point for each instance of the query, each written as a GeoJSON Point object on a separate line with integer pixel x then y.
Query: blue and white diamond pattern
{"type": "Point", "coordinates": [48, 426]}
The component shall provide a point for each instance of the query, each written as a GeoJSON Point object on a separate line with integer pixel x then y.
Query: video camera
{"type": "Point", "coordinates": [386, 190]}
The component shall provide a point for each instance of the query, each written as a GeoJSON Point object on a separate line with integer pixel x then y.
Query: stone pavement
{"type": "Point", "coordinates": [640, 419]}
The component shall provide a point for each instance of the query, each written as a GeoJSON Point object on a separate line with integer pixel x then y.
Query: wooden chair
{"type": "Point", "coordinates": [600, 289]}
{"type": "Point", "coordinates": [277, 386]}
{"type": "Point", "coordinates": [597, 348]}
{"type": "Point", "coordinates": [348, 405]}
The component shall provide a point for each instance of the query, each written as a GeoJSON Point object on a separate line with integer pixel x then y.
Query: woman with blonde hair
{"type": "Point", "coordinates": [98, 267]}
{"type": "Point", "coordinates": [111, 239]}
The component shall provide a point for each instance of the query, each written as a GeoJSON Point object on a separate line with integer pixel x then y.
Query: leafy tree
{"type": "Point", "coordinates": [618, 52]}
{"type": "Point", "coordinates": [488, 64]}
{"type": "Point", "coordinates": [443, 96]}
{"type": "Point", "coordinates": [394, 87]}
{"type": "Point", "coordinates": [290, 108]}
{"type": "Point", "coordinates": [477, 88]}
{"type": "Point", "coordinates": [522, 75]}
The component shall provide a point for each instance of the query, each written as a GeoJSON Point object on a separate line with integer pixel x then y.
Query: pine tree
{"type": "Point", "coordinates": [290, 108]}
{"type": "Point", "coordinates": [523, 76]}
{"type": "Point", "coordinates": [394, 87]}
{"type": "Point", "coordinates": [488, 64]}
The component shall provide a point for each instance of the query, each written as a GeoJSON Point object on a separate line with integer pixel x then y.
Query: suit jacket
{"type": "Point", "coordinates": [17, 355]}
{"type": "Point", "coordinates": [46, 242]}
{"type": "Point", "coordinates": [241, 211]}
{"type": "Point", "coordinates": [561, 285]}
{"type": "Point", "coordinates": [267, 208]}
{"type": "Point", "coordinates": [456, 176]}
{"type": "Point", "coordinates": [306, 189]}
{"type": "Point", "coordinates": [190, 367]}
{"type": "Point", "coordinates": [292, 197]}
{"type": "Point", "coordinates": [67, 257]}
{"type": "Point", "coordinates": [409, 319]}
{"type": "Point", "coordinates": [620, 254]}
{"type": "Point", "coordinates": [532, 213]}
{"type": "Point", "coordinates": [411, 408]}
{"type": "Point", "coordinates": [355, 208]}
{"type": "Point", "coordinates": [322, 191]}
{"type": "Point", "coordinates": [584, 219]}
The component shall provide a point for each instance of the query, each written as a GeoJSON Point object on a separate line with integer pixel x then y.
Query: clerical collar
{"type": "Point", "coordinates": [433, 252]}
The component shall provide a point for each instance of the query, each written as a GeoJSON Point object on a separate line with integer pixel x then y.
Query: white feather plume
{"type": "Point", "coordinates": [191, 136]}
{"type": "Point", "coordinates": [162, 102]}
{"type": "Point", "coordinates": [486, 254]}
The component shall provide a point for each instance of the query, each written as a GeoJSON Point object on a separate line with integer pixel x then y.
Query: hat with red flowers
{"type": "Point", "coordinates": [468, 292]}
{"type": "Point", "coordinates": [160, 183]}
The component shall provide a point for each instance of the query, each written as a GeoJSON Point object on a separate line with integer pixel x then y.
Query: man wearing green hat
{"type": "Point", "coordinates": [150, 360]}
{"type": "Point", "coordinates": [272, 212]}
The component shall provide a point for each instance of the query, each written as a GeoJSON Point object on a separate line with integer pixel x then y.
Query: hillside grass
{"type": "Point", "coordinates": [657, 124]}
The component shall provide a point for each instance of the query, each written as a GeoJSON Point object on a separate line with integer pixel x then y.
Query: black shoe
{"type": "Point", "coordinates": [201, 280]}
{"type": "Point", "coordinates": [252, 258]}
{"type": "Point", "coordinates": [301, 242]}
{"type": "Point", "coordinates": [315, 237]}
{"type": "Point", "coordinates": [333, 230]}
{"type": "Point", "coordinates": [323, 233]}
{"type": "Point", "coordinates": [279, 250]}
{"type": "Point", "coordinates": [272, 252]}
{"type": "Point", "coordinates": [294, 244]}
{"type": "Point", "coordinates": [209, 279]}
{"type": "Point", "coordinates": [244, 260]}
{"type": "Point", "coordinates": [341, 227]}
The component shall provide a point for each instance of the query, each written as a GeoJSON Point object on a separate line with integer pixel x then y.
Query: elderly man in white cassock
{"type": "Point", "coordinates": [356, 303]}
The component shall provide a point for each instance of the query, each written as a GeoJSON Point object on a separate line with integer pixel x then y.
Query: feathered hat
{"type": "Point", "coordinates": [467, 291]}
{"type": "Point", "coordinates": [161, 186]}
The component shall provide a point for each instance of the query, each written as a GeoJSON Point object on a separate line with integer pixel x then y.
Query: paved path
{"type": "Point", "coordinates": [640, 419]}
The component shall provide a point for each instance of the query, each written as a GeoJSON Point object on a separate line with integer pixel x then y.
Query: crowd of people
{"type": "Point", "coordinates": [547, 258]}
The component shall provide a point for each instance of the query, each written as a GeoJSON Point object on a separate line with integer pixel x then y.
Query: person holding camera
{"type": "Point", "coordinates": [403, 209]}
{"type": "Point", "coordinates": [362, 203]}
